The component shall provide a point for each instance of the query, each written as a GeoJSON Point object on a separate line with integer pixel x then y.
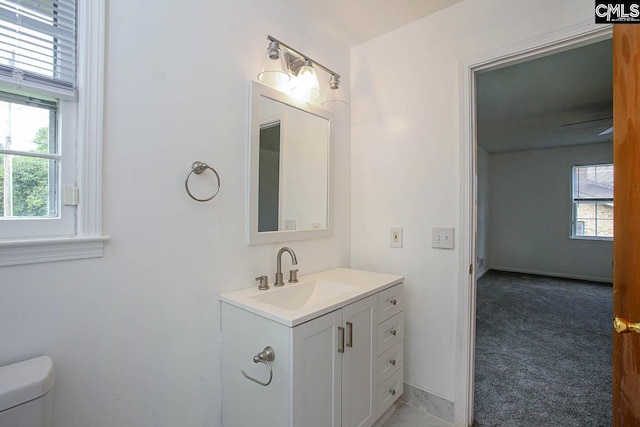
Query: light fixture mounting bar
{"type": "Point", "coordinates": [273, 39]}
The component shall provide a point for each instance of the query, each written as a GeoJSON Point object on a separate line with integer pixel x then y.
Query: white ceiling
{"type": "Point", "coordinates": [356, 21]}
{"type": "Point", "coordinates": [541, 103]}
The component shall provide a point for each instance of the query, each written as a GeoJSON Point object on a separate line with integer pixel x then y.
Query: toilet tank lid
{"type": "Point", "coordinates": [25, 381]}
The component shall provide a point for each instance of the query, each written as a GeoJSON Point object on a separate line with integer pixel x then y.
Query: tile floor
{"type": "Point", "coordinates": [406, 416]}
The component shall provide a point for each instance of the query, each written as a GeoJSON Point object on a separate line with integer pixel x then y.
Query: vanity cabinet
{"type": "Point", "coordinates": [341, 369]}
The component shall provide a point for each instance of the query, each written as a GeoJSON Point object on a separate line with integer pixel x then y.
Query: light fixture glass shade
{"type": "Point", "coordinates": [306, 85]}
{"type": "Point", "coordinates": [334, 96]}
{"type": "Point", "coordinates": [274, 70]}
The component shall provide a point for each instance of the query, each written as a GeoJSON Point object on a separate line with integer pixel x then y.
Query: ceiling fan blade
{"type": "Point", "coordinates": [586, 121]}
{"type": "Point", "coordinates": [606, 131]}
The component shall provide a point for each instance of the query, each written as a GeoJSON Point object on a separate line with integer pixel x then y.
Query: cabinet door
{"type": "Point", "coordinates": [360, 319]}
{"type": "Point", "coordinates": [317, 367]}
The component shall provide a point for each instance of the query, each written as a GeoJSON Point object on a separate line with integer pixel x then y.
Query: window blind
{"type": "Point", "coordinates": [593, 183]}
{"type": "Point", "coordinates": [38, 45]}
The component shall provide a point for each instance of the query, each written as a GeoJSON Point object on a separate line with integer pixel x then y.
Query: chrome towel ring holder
{"type": "Point", "coordinates": [265, 356]}
{"type": "Point", "coordinates": [198, 168]}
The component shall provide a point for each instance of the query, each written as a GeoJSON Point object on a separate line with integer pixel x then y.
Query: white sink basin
{"type": "Point", "coordinates": [315, 295]}
{"type": "Point", "coordinates": [298, 295]}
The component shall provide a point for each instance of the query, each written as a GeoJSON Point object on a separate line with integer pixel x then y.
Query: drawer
{"type": "Point", "coordinates": [388, 393]}
{"type": "Point", "coordinates": [388, 363]}
{"type": "Point", "coordinates": [390, 332]}
{"type": "Point", "coordinates": [390, 302]}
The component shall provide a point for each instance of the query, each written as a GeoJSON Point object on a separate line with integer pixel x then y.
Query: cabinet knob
{"type": "Point", "coordinates": [392, 391]}
{"type": "Point", "coordinates": [393, 362]}
{"type": "Point", "coordinates": [393, 332]}
{"type": "Point", "coordinates": [393, 301]}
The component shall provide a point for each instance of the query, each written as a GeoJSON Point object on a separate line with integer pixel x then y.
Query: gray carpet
{"type": "Point", "coordinates": [543, 352]}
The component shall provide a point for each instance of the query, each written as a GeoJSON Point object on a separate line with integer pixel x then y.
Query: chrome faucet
{"type": "Point", "coordinates": [279, 278]}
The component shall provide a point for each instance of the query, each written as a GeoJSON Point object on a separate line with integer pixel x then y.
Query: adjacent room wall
{"type": "Point", "coordinates": [406, 168]}
{"type": "Point", "coordinates": [135, 336]}
{"type": "Point", "coordinates": [483, 259]}
{"type": "Point", "coordinates": [531, 213]}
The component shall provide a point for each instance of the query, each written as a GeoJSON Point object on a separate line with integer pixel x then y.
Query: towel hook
{"type": "Point", "coordinates": [198, 168]}
{"type": "Point", "coordinates": [265, 356]}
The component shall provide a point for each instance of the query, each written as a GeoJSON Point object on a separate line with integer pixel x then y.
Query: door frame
{"type": "Point", "coordinates": [582, 33]}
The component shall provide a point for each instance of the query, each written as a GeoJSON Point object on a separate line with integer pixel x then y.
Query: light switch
{"type": "Point", "coordinates": [395, 237]}
{"type": "Point", "coordinates": [442, 237]}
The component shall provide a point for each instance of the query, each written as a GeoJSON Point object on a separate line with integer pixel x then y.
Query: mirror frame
{"type": "Point", "coordinates": [255, 237]}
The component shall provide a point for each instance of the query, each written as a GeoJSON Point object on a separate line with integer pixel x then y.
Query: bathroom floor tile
{"type": "Point", "coordinates": [406, 416]}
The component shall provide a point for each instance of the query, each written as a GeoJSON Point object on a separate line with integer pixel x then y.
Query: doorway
{"type": "Point", "coordinates": [545, 45]}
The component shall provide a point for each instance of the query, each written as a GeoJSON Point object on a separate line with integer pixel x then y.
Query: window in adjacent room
{"type": "Point", "coordinates": [593, 201]}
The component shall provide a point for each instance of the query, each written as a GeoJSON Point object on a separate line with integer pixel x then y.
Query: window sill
{"type": "Point", "coordinates": [592, 239]}
{"type": "Point", "coordinates": [34, 251]}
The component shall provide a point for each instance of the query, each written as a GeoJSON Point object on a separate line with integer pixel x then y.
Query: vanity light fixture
{"type": "Point", "coordinates": [334, 99]}
{"type": "Point", "coordinates": [283, 63]}
{"type": "Point", "coordinates": [306, 85]}
{"type": "Point", "coordinates": [274, 71]}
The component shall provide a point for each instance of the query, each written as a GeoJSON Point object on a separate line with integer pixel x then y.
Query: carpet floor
{"type": "Point", "coordinates": [543, 352]}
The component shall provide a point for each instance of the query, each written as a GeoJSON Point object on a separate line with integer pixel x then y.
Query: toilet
{"type": "Point", "coordinates": [25, 393]}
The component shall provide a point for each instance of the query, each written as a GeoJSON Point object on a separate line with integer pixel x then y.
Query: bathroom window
{"type": "Point", "coordinates": [593, 201]}
{"type": "Point", "coordinates": [50, 122]}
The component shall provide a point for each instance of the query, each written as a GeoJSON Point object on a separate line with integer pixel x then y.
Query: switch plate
{"type": "Point", "coordinates": [395, 237]}
{"type": "Point", "coordinates": [442, 237]}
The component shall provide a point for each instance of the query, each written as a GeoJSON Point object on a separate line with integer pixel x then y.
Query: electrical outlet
{"type": "Point", "coordinates": [395, 237]}
{"type": "Point", "coordinates": [442, 237]}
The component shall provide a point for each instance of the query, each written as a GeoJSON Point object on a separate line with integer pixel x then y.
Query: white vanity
{"type": "Point", "coordinates": [337, 338]}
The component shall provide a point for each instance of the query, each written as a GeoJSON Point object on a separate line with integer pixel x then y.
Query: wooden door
{"type": "Point", "coordinates": [626, 246]}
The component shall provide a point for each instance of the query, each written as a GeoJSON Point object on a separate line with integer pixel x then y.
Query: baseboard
{"type": "Point", "coordinates": [482, 273]}
{"type": "Point", "coordinates": [552, 274]}
{"type": "Point", "coordinates": [430, 403]}
{"type": "Point", "coordinates": [387, 414]}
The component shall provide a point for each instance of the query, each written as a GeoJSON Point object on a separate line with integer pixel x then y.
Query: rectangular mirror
{"type": "Point", "coordinates": [289, 170]}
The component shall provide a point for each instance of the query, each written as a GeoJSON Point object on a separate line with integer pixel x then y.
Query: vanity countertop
{"type": "Point", "coordinates": [313, 295]}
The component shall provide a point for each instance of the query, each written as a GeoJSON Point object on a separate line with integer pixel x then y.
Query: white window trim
{"type": "Point", "coordinates": [573, 235]}
{"type": "Point", "coordinates": [88, 241]}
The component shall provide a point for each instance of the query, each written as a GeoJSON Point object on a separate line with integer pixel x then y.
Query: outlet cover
{"type": "Point", "coordinates": [442, 237]}
{"type": "Point", "coordinates": [395, 237]}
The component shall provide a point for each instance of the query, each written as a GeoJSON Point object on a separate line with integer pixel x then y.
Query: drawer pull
{"type": "Point", "coordinates": [393, 332]}
{"type": "Point", "coordinates": [393, 362]}
{"type": "Point", "coordinates": [349, 334]}
{"type": "Point", "coordinates": [340, 339]}
{"type": "Point", "coordinates": [393, 301]}
{"type": "Point", "coordinates": [392, 391]}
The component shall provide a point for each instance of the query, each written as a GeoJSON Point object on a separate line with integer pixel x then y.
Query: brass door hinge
{"type": "Point", "coordinates": [470, 268]}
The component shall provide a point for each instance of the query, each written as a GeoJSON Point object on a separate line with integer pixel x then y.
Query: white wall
{"type": "Point", "coordinates": [135, 335]}
{"type": "Point", "coordinates": [531, 211]}
{"type": "Point", "coordinates": [483, 189]}
{"type": "Point", "coordinates": [405, 141]}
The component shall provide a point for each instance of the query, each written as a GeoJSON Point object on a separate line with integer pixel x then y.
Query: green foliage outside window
{"type": "Point", "coordinates": [30, 180]}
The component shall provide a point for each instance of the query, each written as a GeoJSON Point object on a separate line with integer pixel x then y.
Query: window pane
{"type": "Point", "coordinates": [29, 185]}
{"type": "Point", "coordinates": [26, 128]}
{"type": "Point", "coordinates": [594, 219]}
{"type": "Point", "coordinates": [593, 182]}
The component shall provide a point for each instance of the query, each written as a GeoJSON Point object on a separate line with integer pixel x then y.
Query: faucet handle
{"type": "Point", "coordinates": [293, 276]}
{"type": "Point", "coordinates": [264, 283]}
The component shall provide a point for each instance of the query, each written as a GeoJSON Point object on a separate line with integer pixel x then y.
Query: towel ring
{"type": "Point", "coordinates": [265, 356]}
{"type": "Point", "coordinates": [198, 168]}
